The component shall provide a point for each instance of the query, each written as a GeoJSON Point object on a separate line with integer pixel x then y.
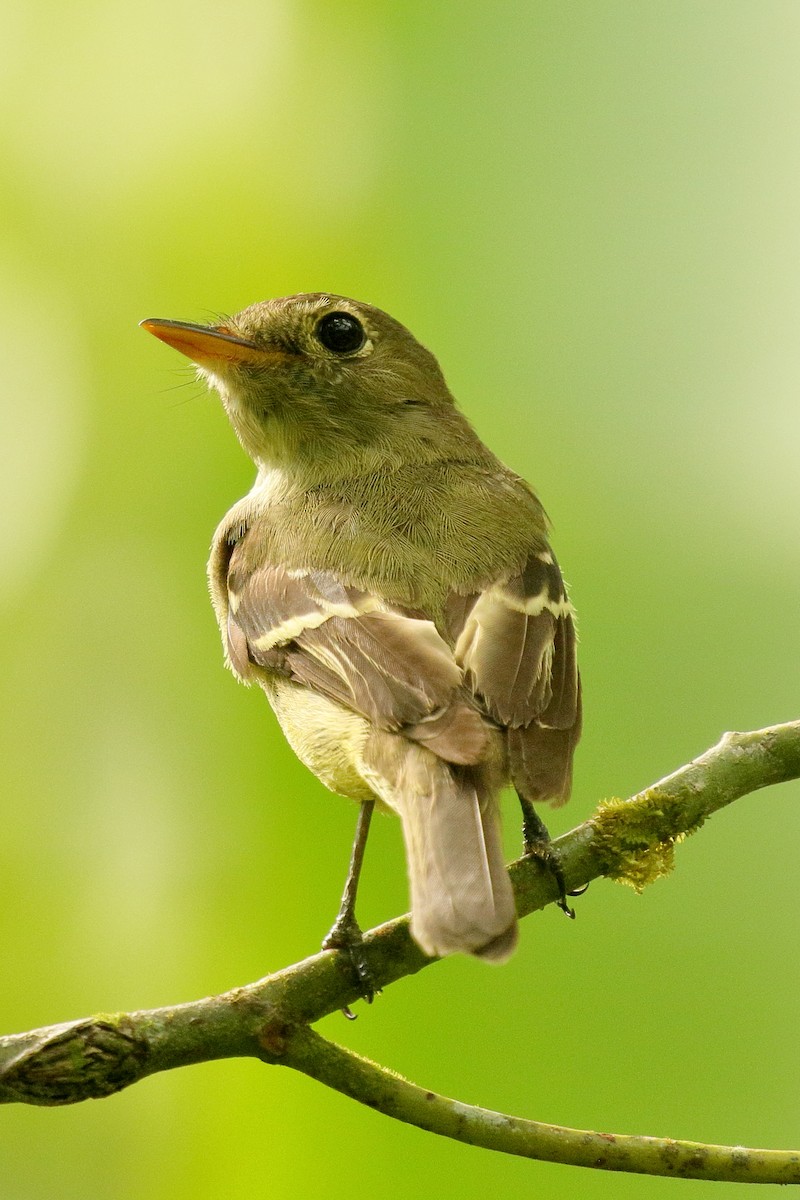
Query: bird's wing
{"type": "Point", "coordinates": [517, 647]}
{"type": "Point", "coordinates": [393, 669]}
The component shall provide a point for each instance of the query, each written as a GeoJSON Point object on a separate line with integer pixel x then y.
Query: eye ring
{"type": "Point", "coordinates": [340, 332]}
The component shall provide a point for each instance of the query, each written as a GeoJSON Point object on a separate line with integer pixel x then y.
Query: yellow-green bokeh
{"type": "Point", "coordinates": [591, 212]}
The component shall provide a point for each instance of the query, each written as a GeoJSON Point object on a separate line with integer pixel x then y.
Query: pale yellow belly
{"type": "Point", "coordinates": [329, 739]}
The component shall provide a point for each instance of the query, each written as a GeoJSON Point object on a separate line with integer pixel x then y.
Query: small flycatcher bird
{"type": "Point", "coordinates": [390, 586]}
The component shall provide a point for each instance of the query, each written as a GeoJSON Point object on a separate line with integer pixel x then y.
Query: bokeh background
{"type": "Point", "coordinates": [590, 211]}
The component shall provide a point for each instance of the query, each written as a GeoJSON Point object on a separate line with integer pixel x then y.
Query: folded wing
{"type": "Point", "coordinates": [395, 670]}
{"type": "Point", "coordinates": [517, 647]}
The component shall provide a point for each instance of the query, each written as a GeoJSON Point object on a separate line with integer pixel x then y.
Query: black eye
{"type": "Point", "coordinates": [340, 332]}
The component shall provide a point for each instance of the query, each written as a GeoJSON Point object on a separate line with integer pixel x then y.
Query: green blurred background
{"type": "Point", "coordinates": [590, 212]}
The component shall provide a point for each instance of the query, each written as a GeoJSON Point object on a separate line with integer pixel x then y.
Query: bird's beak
{"type": "Point", "coordinates": [207, 345]}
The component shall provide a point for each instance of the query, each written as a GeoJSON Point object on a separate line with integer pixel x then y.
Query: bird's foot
{"type": "Point", "coordinates": [548, 857]}
{"type": "Point", "coordinates": [537, 844]}
{"type": "Point", "coordinates": [345, 935]}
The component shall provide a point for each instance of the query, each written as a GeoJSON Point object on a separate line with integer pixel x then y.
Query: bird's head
{"type": "Point", "coordinates": [319, 383]}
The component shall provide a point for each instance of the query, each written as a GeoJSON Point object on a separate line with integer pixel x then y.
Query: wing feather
{"type": "Point", "coordinates": [517, 646]}
{"type": "Point", "coordinates": [393, 669]}
{"type": "Point", "coordinates": [509, 639]}
{"type": "Point", "coordinates": [513, 662]}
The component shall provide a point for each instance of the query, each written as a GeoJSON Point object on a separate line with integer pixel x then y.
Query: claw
{"type": "Point", "coordinates": [537, 844]}
{"type": "Point", "coordinates": [549, 859]}
{"type": "Point", "coordinates": [345, 935]}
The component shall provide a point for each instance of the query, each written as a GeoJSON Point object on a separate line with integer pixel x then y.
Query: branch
{"type": "Point", "coordinates": [632, 841]}
{"type": "Point", "coordinates": [394, 1096]}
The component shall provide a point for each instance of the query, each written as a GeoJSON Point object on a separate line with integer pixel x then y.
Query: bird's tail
{"type": "Point", "coordinates": [461, 897]}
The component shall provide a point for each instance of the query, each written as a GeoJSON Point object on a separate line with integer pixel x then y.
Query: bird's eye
{"type": "Point", "coordinates": [341, 333]}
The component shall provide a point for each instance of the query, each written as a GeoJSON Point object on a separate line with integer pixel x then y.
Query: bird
{"type": "Point", "coordinates": [391, 587]}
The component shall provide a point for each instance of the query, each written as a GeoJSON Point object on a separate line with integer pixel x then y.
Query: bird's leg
{"type": "Point", "coordinates": [536, 842]}
{"type": "Point", "coordinates": [345, 933]}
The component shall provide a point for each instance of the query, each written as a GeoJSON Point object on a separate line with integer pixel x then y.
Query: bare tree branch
{"type": "Point", "coordinates": [631, 840]}
{"type": "Point", "coordinates": [388, 1093]}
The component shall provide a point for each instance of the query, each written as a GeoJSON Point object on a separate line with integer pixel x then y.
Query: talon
{"type": "Point", "coordinates": [537, 844]}
{"type": "Point", "coordinates": [544, 852]}
{"type": "Point", "coordinates": [346, 936]}
{"type": "Point", "coordinates": [579, 891]}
